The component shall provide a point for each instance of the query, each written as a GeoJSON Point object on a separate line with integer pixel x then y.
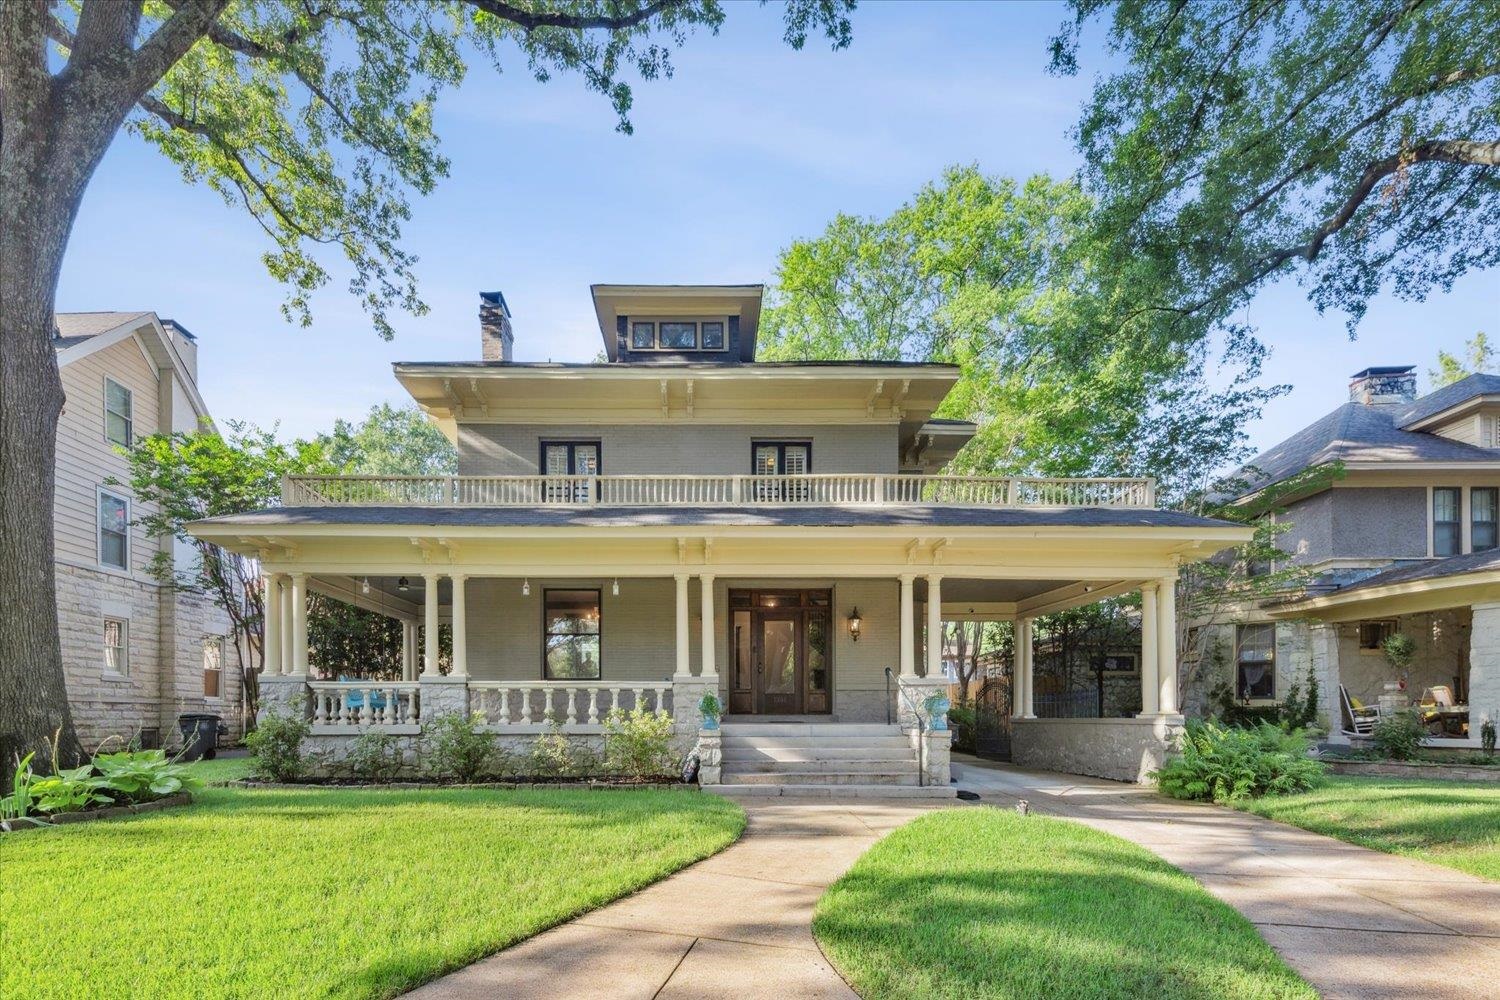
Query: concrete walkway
{"type": "Point", "coordinates": [1355, 923]}
{"type": "Point", "coordinates": [736, 925]}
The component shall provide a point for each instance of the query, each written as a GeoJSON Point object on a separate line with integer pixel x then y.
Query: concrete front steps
{"type": "Point", "coordinates": [821, 759]}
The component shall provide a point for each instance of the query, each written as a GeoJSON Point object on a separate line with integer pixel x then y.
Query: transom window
{"type": "Point", "coordinates": [1255, 661]}
{"type": "Point", "coordinates": [570, 635]}
{"type": "Point", "coordinates": [1484, 515]}
{"type": "Point", "coordinates": [118, 413]}
{"type": "Point", "coordinates": [1446, 535]}
{"type": "Point", "coordinates": [114, 530]}
{"type": "Point", "coordinates": [116, 646]}
{"type": "Point", "coordinates": [213, 665]}
{"type": "Point", "coordinates": [678, 335]}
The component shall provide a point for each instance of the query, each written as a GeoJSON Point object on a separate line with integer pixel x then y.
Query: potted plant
{"type": "Point", "coordinates": [711, 710]}
{"type": "Point", "coordinates": [937, 705]}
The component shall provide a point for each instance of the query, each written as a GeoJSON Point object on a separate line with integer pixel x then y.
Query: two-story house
{"type": "Point", "coordinates": [136, 653]}
{"type": "Point", "coordinates": [1405, 539]}
{"type": "Point", "coordinates": [681, 519]}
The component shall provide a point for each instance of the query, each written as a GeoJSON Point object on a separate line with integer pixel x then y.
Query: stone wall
{"type": "Point", "coordinates": [1121, 749]}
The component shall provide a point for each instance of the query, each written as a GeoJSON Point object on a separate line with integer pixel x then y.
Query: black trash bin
{"type": "Point", "coordinates": [200, 735]}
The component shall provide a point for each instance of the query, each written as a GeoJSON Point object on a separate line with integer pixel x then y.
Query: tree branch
{"type": "Point", "coordinates": [189, 22]}
{"type": "Point", "coordinates": [531, 20]}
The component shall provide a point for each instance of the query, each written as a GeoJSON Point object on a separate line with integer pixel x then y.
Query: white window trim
{"type": "Point", "coordinates": [109, 673]}
{"type": "Point", "coordinates": [100, 494]}
{"type": "Point", "coordinates": [129, 417]}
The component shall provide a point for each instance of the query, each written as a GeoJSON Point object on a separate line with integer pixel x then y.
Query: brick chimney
{"type": "Point", "coordinates": [495, 336]}
{"type": "Point", "coordinates": [1391, 385]}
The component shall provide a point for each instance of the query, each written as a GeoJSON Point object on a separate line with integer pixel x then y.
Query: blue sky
{"type": "Point", "coordinates": [750, 146]}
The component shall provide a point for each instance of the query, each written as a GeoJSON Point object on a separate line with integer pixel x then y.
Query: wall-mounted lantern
{"type": "Point", "coordinates": [855, 623]}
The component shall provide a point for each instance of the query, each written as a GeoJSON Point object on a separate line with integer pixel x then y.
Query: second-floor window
{"type": "Point", "coordinates": [677, 335]}
{"type": "Point", "coordinates": [114, 530]}
{"type": "Point", "coordinates": [1484, 518]}
{"type": "Point", "coordinates": [782, 458]}
{"type": "Point", "coordinates": [118, 413]}
{"type": "Point", "coordinates": [569, 458]}
{"type": "Point", "coordinates": [1446, 533]}
{"type": "Point", "coordinates": [1255, 661]}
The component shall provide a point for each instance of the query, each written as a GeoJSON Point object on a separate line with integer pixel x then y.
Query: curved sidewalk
{"type": "Point", "coordinates": [1355, 923]}
{"type": "Point", "coordinates": [737, 924]}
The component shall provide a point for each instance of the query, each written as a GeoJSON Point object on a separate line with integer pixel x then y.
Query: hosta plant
{"type": "Point", "coordinates": [143, 775]}
{"type": "Point", "coordinates": [69, 790]}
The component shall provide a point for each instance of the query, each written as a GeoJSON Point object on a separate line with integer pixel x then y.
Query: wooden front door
{"type": "Point", "coordinates": [780, 643]}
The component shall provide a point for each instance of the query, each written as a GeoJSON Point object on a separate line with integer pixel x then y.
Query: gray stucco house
{"type": "Point", "coordinates": [1400, 538]}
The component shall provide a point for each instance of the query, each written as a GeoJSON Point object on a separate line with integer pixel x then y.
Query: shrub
{"type": "Point", "coordinates": [1487, 737]}
{"type": "Point", "coordinates": [1400, 649]}
{"type": "Point", "coordinates": [964, 721]}
{"type": "Point", "coordinates": [276, 747]}
{"type": "Point", "coordinates": [1398, 736]}
{"type": "Point", "coordinates": [1227, 764]}
{"type": "Point", "coordinates": [143, 775]}
{"type": "Point", "coordinates": [457, 748]}
{"type": "Point", "coordinates": [376, 756]}
{"type": "Point", "coordinates": [638, 743]}
{"type": "Point", "coordinates": [554, 755]}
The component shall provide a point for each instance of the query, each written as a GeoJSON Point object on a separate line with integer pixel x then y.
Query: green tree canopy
{"type": "Point", "coordinates": [1478, 356]}
{"type": "Point", "coordinates": [1002, 279]}
{"type": "Point", "coordinates": [1352, 142]}
{"type": "Point", "coordinates": [390, 441]}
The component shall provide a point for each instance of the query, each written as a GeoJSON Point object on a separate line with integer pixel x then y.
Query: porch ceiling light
{"type": "Point", "coordinates": [402, 585]}
{"type": "Point", "coordinates": [615, 590]}
{"type": "Point", "coordinates": [526, 587]}
{"type": "Point", "coordinates": [364, 586]}
{"type": "Point", "coordinates": [855, 622]}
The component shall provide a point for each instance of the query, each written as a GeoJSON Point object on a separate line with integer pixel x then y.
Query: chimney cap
{"type": "Point", "coordinates": [495, 299]}
{"type": "Point", "coordinates": [1379, 370]}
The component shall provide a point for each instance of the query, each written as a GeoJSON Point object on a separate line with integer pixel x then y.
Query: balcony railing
{"type": "Point", "coordinates": [713, 491]}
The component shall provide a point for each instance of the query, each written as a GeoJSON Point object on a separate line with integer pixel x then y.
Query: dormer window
{"type": "Point", "coordinates": [713, 336]}
{"type": "Point", "coordinates": [679, 335]}
{"type": "Point", "coordinates": [642, 336]}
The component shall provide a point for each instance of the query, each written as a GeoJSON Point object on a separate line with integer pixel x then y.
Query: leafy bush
{"type": "Point", "coordinates": [457, 748]}
{"type": "Point", "coordinates": [69, 790]}
{"type": "Point", "coordinates": [376, 756]}
{"type": "Point", "coordinates": [276, 747]}
{"type": "Point", "coordinates": [554, 755]}
{"type": "Point", "coordinates": [638, 743]}
{"type": "Point", "coordinates": [143, 775]}
{"type": "Point", "coordinates": [1487, 737]}
{"type": "Point", "coordinates": [1293, 713]}
{"type": "Point", "coordinates": [1400, 649]}
{"type": "Point", "coordinates": [1226, 764]}
{"type": "Point", "coordinates": [1398, 736]}
{"type": "Point", "coordinates": [964, 722]}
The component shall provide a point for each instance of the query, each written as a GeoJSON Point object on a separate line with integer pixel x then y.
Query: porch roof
{"type": "Point", "coordinates": [791, 516]}
{"type": "Point", "coordinates": [1411, 588]}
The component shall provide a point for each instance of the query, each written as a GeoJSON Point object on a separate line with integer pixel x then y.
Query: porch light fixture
{"type": "Point", "coordinates": [615, 590]}
{"type": "Point", "coordinates": [364, 586]}
{"type": "Point", "coordinates": [855, 622]}
{"type": "Point", "coordinates": [526, 587]}
{"type": "Point", "coordinates": [402, 585]}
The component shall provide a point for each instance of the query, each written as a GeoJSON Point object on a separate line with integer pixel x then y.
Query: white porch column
{"type": "Point", "coordinates": [908, 628]}
{"type": "Point", "coordinates": [1484, 667]}
{"type": "Point", "coordinates": [271, 639]}
{"type": "Point", "coordinates": [430, 626]}
{"type": "Point", "coordinates": [684, 654]}
{"type": "Point", "coordinates": [1025, 656]}
{"type": "Point", "coordinates": [934, 626]}
{"type": "Point", "coordinates": [1150, 649]}
{"type": "Point", "coordinates": [706, 612]}
{"type": "Point", "coordinates": [288, 626]}
{"type": "Point", "coordinates": [408, 650]}
{"type": "Point", "coordinates": [1166, 646]}
{"type": "Point", "coordinates": [460, 627]}
{"type": "Point", "coordinates": [299, 625]}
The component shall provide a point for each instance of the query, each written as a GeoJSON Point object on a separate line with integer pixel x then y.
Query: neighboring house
{"type": "Point", "coordinates": [135, 653]}
{"type": "Point", "coordinates": [682, 519]}
{"type": "Point", "coordinates": [1404, 541]}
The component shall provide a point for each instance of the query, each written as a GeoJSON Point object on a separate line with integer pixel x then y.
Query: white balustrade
{"type": "Point", "coordinates": [571, 703]}
{"type": "Point", "coordinates": [366, 703]}
{"type": "Point", "coordinates": [836, 489]}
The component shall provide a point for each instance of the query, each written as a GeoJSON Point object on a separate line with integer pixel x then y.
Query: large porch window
{"type": "Point", "coordinates": [1255, 661]}
{"type": "Point", "coordinates": [570, 635]}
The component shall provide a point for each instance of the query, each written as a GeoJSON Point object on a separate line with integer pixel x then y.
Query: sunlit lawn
{"type": "Point", "coordinates": [1450, 823]}
{"type": "Point", "coordinates": [983, 903]}
{"type": "Point", "coordinates": [322, 892]}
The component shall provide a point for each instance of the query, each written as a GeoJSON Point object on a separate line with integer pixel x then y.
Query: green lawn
{"type": "Point", "coordinates": [1450, 823]}
{"type": "Point", "coordinates": [984, 903]}
{"type": "Point", "coordinates": [221, 768]}
{"type": "Point", "coordinates": [325, 893]}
